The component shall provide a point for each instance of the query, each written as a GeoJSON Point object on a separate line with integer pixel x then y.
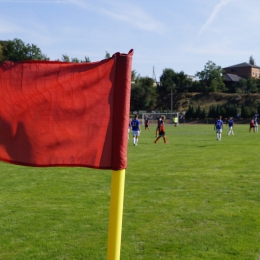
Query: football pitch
{"type": "Point", "coordinates": [193, 198]}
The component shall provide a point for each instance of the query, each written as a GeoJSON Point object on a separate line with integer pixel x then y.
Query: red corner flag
{"type": "Point", "coordinates": [66, 114]}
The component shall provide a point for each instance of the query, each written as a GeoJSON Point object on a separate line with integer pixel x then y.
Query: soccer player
{"type": "Point", "coordinates": [146, 123]}
{"type": "Point", "coordinates": [230, 123]}
{"type": "Point", "coordinates": [158, 126]}
{"type": "Point", "coordinates": [129, 127]}
{"type": "Point", "coordinates": [252, 125]}
{"type": "Point", "coordinates": [218, 127]}
{"type": "Point", "coordinates": [136, 130]}
{"type": "Point", "coordinates": [256, 123]}
{"type": "Point", "coordinates": [175, 120]}
{"type": "Point", "coordinates": [161, 131]}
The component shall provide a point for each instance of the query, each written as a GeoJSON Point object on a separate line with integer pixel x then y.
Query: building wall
{"type": "Point", "coordinates": [255, 73]}
{"type": "Point", "coordinates": [244, 72]}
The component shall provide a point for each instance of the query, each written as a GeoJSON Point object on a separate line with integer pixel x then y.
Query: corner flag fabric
{"type": "Point", "coordinates": [66, 114]}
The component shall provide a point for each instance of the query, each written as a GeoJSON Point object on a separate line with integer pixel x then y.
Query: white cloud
{"type": "Point", "coordinates": [213, 16]}
{"type": "Point", "coordinates": [136, 17]}
{"type": "Point", "coordinates": [130, 14]}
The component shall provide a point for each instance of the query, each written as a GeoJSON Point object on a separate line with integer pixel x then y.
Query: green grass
{"type": "Point", "coordinates": [194, 198]}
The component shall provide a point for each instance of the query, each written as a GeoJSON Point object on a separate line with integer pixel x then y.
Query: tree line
{"type": "Point", "coordinates": [16, 50]}
{"type": "Point", "coordinates": [225, 110]}
{"type": "Point", "coordinates": [146, 94]}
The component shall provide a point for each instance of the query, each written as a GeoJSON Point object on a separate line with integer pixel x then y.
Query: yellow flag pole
{"type": "Point", "coordinates": [116, 214]}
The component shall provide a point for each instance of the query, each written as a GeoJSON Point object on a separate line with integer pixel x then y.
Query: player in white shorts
{"type": "Point", "coordinates": [135, 129]}
{"type": "Point", "coordinates": [230, 123]}
{"type": "Point", "coordinates": [218, 127]}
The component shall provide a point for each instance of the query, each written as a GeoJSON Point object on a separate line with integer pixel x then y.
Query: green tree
{"type": "Point", "coordinates": [211, 78]}
{"type": "Point", "coordinates": [251, 85]}
{"type": "Point", "coordinates": [167, 81]}
{"type": "Point", "coordinates": [190, 113]}
{"type": "Point", "coordinates": [175, 81]}
{"type": "Point", "coordinates": [182, 82]}
{"type": "Point", "coordinates": [75, 60]}
{"type": "Point", "coordinates": [196, 86]}
{"type": "Point", "coordinates": [242, 84]}
{"type": "Point", "coordinates": [203, 114]}
{"type": "Point", "coordinates": [212, 112]}
{"type": "Point", "coordinates": [134, 76]}
{"type": "Point", "coordinates": [245, 113]}
{"type": "Point", "coordinates": [2, 43]}
{"type": "Point", "coordinates": [231, 110]}
{"type": "Point", "coordinates": [86, 59]}
{"type": "Point", "coordinates": [107, 56]}
{"type": "Point", "coordinates": [171, 82]}
{"type": "Point", "coordinates": [223, 112]}
{"type": "Point", "coordinates": [258, 108]}
{"type": "Point", "coordinates": [165, 87]}
{"type": "Point", "coordinates": [16, 50]}
{"type": "Point", "coordinates": [65, 58]}
{"type": "Point", "coordinates": [198, 112]}
{"type": "Point", "coordinates": [251, 60]}
{"type": "Point", "coordinates": [143, 94]}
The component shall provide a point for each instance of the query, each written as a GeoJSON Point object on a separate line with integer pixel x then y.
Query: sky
{"type": "Point", "coordinates": [179, 34]}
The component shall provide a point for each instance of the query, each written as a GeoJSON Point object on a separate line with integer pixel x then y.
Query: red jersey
{"type": "Point", "coordinates": [162, 126]}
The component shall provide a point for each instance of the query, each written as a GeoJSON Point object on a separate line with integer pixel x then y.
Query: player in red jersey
{"type": "Point", "coordinates": [161, 131]}
{"type": "Point", "coordinates": [252, 125]}
{"type": "Point", "coordinates": [158, 126]}
{"type": "Point", "coordinates": [146, 123]}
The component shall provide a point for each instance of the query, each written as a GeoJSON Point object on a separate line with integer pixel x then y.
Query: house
{"type": "Point", "coordinates": [244, 70]}
{"type": "Point", "coordinates": [192, 78]}
{"type": "Point", "coordinates": [229, 79]}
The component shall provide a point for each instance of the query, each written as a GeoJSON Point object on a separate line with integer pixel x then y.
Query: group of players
{"type": "Point", "coordinates": [230, 122]}
{"type": "Point", "coordinates": [134, 125]}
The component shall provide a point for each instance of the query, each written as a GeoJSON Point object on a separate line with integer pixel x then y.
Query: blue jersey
{"type": "Point", "coordinates": [219, 124]}
{"type": "Point", "coordinates": [256, 120]}
{"type": "Point", "coordinates": [230, 122]}
{"type": "Point", "coordinates": [135, 124]}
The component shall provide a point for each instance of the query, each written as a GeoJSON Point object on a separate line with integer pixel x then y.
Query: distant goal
{"type": "Point", "coordinates": [153, 117]}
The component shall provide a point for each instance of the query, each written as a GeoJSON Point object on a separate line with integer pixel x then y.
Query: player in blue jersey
{"type": "Point", "coordinates": [230, 123]}
{"type": "Point", "coordinates": [218, 127]}
{"type": "Point", "coordinates": [256, 123]}
{"type": "Point", "coordinates": [136, 130]}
